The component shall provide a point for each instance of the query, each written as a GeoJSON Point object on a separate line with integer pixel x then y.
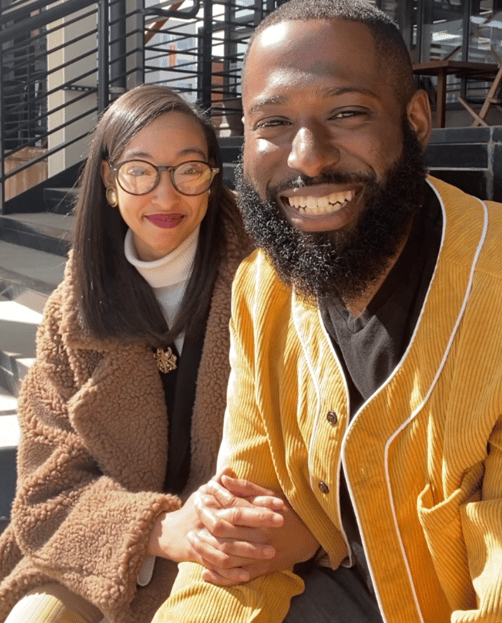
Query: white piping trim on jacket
{"type": "Point", "coordinates": [426, 398]}
{"type": "Point", "coordinates": [480, 244]}
{"type": "Point", "coordinates": [391, 439]}
{"type": "Point", "coordinates": [380, 389]}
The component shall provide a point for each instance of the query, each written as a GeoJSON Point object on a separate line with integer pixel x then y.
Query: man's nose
{"type": "Point", "coordinates": [312, 151]}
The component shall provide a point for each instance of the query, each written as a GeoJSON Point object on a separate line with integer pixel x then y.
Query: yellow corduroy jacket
{"type": "Point", "coordinates": [423, 456]}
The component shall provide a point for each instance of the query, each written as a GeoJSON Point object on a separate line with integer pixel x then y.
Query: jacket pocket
{"type": "Point", "coordinates": [442, 528]}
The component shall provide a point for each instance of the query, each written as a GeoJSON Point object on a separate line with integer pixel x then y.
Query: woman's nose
{"type": "Point", "coordinates": [165, 190]}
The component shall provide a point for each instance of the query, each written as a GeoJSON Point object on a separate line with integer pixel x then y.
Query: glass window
{"type": "Point", "coordinates": [442, 30]}
{"type": "Point", "coordinates": [485, 31]}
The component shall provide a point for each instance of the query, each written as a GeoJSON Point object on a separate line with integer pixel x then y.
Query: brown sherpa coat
{"type": "Point", "coordinates": [93, 457]}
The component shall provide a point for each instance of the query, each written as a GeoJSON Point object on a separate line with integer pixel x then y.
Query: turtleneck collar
{"type": "Point", "coordinates": [171, 269]}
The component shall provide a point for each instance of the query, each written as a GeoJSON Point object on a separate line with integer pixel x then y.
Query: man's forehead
{"type": "Point", "coordinates": [312, 45]}
{"type": "Point", "coordinates": [336, 52]}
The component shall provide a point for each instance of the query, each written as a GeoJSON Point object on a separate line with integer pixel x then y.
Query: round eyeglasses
{"type": "Point", "coordinates": [139, 177]}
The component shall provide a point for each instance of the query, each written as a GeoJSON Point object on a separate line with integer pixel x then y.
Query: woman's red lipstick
{"type": "Point", "coordinates": [166, 221]}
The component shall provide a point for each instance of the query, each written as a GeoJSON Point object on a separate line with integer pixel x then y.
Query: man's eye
{"type": "Point", "coordinates": [271, 123]}
{"type": "Point", "coordinates": [348, 114]}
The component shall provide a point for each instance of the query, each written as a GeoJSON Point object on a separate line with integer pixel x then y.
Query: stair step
{"type": "Point", "coordinates": [18, 327]}
{"type": "Point", "coordinates": [7, 483]}
{"type": "Point", "coordinates": [42, 231]}
{"type": "Point", "coordinates": [28, 276]}
{"type": "Point", "coordinates": [10, 432]}
{"type": "Point", "coordinates": [8, 408]}
{"type": "Point", "coordinates": [60, 200]}
{"type": "Point", "coordinates": [9, 440]}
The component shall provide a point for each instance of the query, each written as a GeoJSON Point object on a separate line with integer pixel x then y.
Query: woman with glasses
{"type": "Point", "coordinates": [122, 412]}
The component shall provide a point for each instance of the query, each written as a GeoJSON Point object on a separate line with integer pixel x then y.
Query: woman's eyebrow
{"type": "Point", "coordinates": [138, 153]}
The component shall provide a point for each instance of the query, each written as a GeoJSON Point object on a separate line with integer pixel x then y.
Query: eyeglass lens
{"type": "Point", "coordinates": [139, 177]}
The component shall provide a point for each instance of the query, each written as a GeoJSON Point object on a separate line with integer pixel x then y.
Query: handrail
{"type": "Point", "coordinates": [26, 10]}
{"type": "Point", "coordinates": [41, 19]}
{"type": "Point", "coordinates": [174, 12]}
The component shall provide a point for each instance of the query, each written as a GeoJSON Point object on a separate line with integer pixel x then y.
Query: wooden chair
{"type": "Point", "coordinates": [491, 100]}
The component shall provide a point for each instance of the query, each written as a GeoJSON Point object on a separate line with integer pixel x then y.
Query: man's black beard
{"type": "Point", "coordinates": [340, 264]}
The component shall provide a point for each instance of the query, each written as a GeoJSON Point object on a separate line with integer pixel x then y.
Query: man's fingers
{"type": "Point", "coordinates": [242, 487]}
{"type": "Point", "coordinates": [224, 554]}
{"type": "Point", "coordinates": [254, 517]}
{"type": "Point", "coordinates": [243, 493]}
{"type": "Point", "coordinates": [266, 501]}
{"type": "Point", "coordinates": [216, 520]}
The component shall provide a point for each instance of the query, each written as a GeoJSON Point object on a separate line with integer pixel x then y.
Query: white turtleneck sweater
{"type": "Point", "coordinates": [168, 276]}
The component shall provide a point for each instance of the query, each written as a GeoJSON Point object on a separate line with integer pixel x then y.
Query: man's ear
{"type": "Point", "coordinates": [418, 111]}
{"type": "Point", "coordinates": [107, 175]}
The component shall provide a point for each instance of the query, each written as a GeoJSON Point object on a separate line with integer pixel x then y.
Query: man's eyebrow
{"type": "Point", "coordinates": [350, 89]}
{"type": "Point", "coordinates": [278, 100]}
{"type": "Point", "coordinates": [274, 100]}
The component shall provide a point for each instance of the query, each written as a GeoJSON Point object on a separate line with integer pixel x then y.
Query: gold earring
{"type": "Point", "coordinates": [111, 197]}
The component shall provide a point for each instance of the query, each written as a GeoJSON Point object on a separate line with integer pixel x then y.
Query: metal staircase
{"type": "Point", "coordinates": [61, 64]}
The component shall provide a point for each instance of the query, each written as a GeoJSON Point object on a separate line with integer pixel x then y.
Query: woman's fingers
{"type": "Point", "coordinates": [231, 577]}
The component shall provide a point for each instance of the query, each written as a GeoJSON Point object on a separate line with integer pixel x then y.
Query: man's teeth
{"type": "Point", "coordinates": [321, 205]}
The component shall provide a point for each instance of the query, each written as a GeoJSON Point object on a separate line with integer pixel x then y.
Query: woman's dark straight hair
{"type": "Point", "coordinates": [115, 300]}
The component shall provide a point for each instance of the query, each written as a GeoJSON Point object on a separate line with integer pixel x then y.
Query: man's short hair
{"type": "Point", "coordinates": [389, 44]}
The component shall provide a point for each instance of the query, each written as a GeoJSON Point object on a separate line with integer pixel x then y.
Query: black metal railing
{"type": "Point", "coordinates": [53, 84]}
{"type": "Point", "coordinates": [62, 64]}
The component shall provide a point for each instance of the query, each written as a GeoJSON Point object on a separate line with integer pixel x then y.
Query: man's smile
{"type": "Point", "coordinates": [327, 204]}
{"type": "Point", "coordinates": [321, 207]}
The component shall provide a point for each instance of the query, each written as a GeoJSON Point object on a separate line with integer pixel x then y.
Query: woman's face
{"type": "Point", "coordinates": [162, 219]}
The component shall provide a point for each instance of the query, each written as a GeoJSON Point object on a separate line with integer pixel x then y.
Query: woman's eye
{"type": "Point", "coordinates": [191, 171]}
{"type": "Point", "coordinates": [139, 172]}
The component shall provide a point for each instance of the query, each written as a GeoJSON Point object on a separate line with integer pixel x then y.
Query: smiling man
{"type": "Point", "coordinates": [366, 383]}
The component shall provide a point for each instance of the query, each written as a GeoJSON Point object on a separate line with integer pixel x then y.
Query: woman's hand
{"type": "Point", "coordinates": [178, 535]}
{"type": "Point", "coordinates": [237, 537]}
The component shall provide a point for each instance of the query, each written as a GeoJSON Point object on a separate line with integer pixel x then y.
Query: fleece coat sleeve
{"type": "Point", "coordinates": [80, 514]}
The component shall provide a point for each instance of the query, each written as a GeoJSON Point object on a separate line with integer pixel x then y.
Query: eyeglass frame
{"type": "Point", "coordinates": [114, 168]}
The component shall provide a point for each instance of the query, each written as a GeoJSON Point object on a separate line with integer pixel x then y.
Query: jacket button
{"type": "Point", "coordinates": [332, 417]}
{"type": "Point", "coordinates": [323, 487]}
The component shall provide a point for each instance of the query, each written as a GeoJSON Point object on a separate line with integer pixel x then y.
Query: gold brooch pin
{"type": "Point", "coordinates": [166, 360]}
